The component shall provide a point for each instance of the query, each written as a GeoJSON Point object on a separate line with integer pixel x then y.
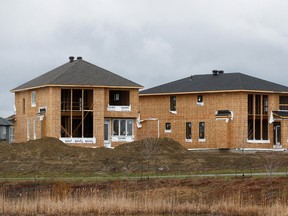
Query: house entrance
{"type": "Point", "coordinates": [277, 134]}
{"type": "Point", "coordinates": [107, 138]}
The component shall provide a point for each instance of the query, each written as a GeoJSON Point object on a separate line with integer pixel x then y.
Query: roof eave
{"type": "Point", "coordinates": [74, 86]}
{"type": "Point", "coordinates": [216, 91]}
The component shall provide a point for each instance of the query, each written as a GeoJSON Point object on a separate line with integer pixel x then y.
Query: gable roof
{"type": "Point", "coordinates": [78, 72]}
{"type": "Point", "coordinates": [4, 122]}
{"type": "Point", "coordinates": [218, 82]}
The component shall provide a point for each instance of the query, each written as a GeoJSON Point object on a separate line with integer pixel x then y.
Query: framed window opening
{"type": "Point", "coordinates": [24, 106]}
{"type": "Point", "coordinates": [200, 101]}
{"type": "Point", "coordinates": [122, 130]}
{"type": "Point", "coordinates": [33, 98]}
{"type": "Point", "coordinates": [202, 131]}
{"type": "Point", "coordinates": [119, 98]}
{"type": "Point", "coordinates": [77, 115]}
{"type": "Point", "coordinates": [28, 130]}
{"type": "Point", "coordinates": [168, 128]}
{"type": "Point", "coordinates": [258, 118]}
{"type": "Point", "coordinates": [173, 105]}
{"type": "Point", "coordinates": [188, 131]}
{"type": "Point", "coordinates": [283, 102]}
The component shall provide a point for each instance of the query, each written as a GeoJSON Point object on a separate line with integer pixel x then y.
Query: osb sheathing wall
{"type": "Point", "coordinates": [218, 133]}
{"type": "Point", "coordinates": [44, 128]}
{"type": "Point", "coordinates": [134, 102]}
{"type": "Point", "coordinates": [50, 97]}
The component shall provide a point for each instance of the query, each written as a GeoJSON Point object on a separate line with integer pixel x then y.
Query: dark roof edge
{"type": "Point", "coordinates": [76, 86]}
{"type": "Point", "coordinates": [207, 92]}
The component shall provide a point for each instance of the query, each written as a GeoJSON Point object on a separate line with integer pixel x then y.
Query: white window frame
{"type": "Point", "coordinates": [33, 99]}
{"type": "Point", "coordinates": [200, 102]}
{"type": "Point", "coordinates": [202, 139]}
{"type": "Point", "coordinates": [118, 137]}
{"type": "Point", "coordinates": [166, 129]}
{"type": "Point", "coordinates": [34, 129]}
{"type": "Point", "coordinates": [28, 130]}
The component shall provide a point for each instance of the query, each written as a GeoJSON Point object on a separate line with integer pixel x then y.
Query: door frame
{"type": "Point", "coordinates": [277, 134]}
{"type": "Point", "coordinates": [107, 142]}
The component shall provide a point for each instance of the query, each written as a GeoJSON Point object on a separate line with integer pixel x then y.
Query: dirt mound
{"type": "Point", "coordinates": [45, 147]}
{"type": "Point", "coordinates": [152, 146]}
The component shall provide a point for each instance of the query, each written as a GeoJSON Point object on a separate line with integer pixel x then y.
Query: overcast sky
{"type": "Point", "coordinates": [150, 42]}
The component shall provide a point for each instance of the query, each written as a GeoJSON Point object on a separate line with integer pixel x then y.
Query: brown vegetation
{"type": "Point", "coordinates": [49, 157]}
{"type": "Point", "coordinates": [217, 196]}
{"type": "Point", "coordinates": [159, 156]}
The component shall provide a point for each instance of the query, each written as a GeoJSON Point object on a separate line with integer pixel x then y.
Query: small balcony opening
{"type": "Point", "coordinates": [119, 98]}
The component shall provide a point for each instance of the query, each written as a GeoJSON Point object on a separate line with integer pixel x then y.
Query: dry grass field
{"type": "Point", "coordinates": [129, 180]}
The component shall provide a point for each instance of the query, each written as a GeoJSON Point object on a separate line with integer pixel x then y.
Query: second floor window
{"type": "Point", "coordinates": [119, 98]}
{"type": "Point", "coordinates": [173, 103]}
{"type": "Point", "coordinates": [283, 103]}
{"type": "Point", "coordinates": [33, 99]}
{"type": "Point", "coordinates": [24, 106]}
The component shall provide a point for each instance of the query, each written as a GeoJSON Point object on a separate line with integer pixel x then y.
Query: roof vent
{"type": "Point", "coordinates": [79, 58]}
{"type": "Point", "coordinates": [216, 72]}
{"type": "Point", "coordinates": [71, 58]}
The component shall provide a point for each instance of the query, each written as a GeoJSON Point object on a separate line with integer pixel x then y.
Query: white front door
{"type": "Point", "coordinates": [107, 136]}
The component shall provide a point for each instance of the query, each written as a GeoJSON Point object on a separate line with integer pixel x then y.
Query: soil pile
{"type": "Point", "coordinates": [49, 156]}
{"type": "Point", "coordinates": [152, 146]}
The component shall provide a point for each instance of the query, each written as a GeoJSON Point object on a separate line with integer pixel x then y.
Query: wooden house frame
{"type": "Point", "coordinates": [79, 103]}
{"type": "Point", "coordinates": [218, 110]}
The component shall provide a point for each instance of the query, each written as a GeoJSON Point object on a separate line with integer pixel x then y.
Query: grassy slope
{"type": "Point", "coordinates": [49, 156]}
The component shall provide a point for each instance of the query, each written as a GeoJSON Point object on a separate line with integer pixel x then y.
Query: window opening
{"type": "Point", "coordinates": [173, 103]}
{"type": "Point", "coordinates": [33, 99]}
{"type": "Point", "coordinates": [34, 129]}
{"type": "Point", "coordinates": [23, 106]}
{"type": "Point", "coordinates": [199, 99]}
{"type": "Point", "coordinates": [167, 127]}
{"type": "Point", "coordinates": [283, 102]}
{"type": "Point", "coordinates": [122, 127]}
{"type": "Point", "coordinates": [201, 130]}
{"type": "Point", "coordinates": [257, 117]}
{"type": "Point", "coordinates": [119, 98]}
{"type": "Point", "coordinates": [188, 130]}
{"type": "Point", "coordinates": [77, 113]}
{"type": "Point", "coordinates": [28, 130]}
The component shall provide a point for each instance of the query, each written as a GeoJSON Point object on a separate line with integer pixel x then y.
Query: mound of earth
{"type": "Point", "coordinates": [153, 146]}
{"type": "Point", "coordinates": [52, 157]}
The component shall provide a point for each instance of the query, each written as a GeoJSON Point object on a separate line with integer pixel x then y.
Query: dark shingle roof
{"type": "Point", "coordinates": [78, 72]}
{"type": "Point", "coordinates": [281, 113]}
{"type": "Point", "coordinates": [4, 122]}
{"type": "Point", "coordinates": [220, 82]}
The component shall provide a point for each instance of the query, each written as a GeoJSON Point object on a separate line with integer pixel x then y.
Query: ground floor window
{"type": "Point", "coordinates": [201, 130]}
{"type": "Point", "coordinates": [122, 129]}
{"type": "Point", "coordinates": [28, 130]}
{"type": "Point", "coordinates": [167, 127]}
{"type": "Point", "coordinates": [188, 131]}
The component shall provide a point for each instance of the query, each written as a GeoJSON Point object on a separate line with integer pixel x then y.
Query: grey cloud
{"type": "Point", "coordinates": [150, 42]}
